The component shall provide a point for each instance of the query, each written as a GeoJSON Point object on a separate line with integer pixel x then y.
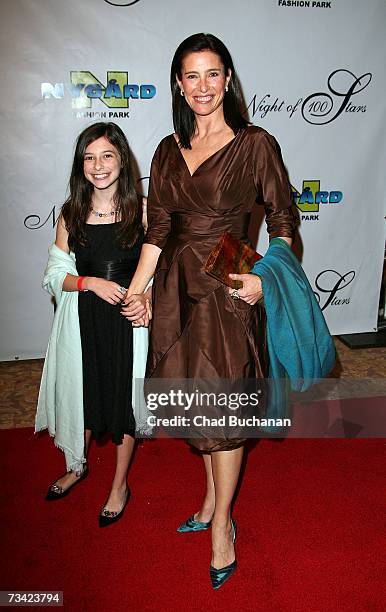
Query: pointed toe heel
{"type": "Point", "coordinates": [218, 577]}
{"type": "Point", "coordinates": [192, 525]}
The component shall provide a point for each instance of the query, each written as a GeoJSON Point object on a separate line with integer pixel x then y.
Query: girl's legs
{"type": "Point", "coordinates": [70, 478]}
{"type": "Point", "coordinates": [119, 485]}
{"type": "Point", "coordinates": [226, 469]}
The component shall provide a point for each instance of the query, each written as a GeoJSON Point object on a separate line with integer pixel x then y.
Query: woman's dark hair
{"type": "Point", "coordinates": [76, 208]}
{"type": "Point", "coordinates": [183, 116]}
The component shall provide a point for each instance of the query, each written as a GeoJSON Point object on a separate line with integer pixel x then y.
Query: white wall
{"type": "Point", "coordinates": [283, 52]}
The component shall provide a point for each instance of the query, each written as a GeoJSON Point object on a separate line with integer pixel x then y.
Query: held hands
{"type": "Point", "coordinates": [106, 290]}
{"type": "Point", "coordinates": [145, 320]}
{"type": "Point", "coordinates": [137, 309]}
{"type": "Point", "coordinates": [251, 291]}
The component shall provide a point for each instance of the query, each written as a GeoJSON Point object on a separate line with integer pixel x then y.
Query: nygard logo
{"type": "Point", "coordinates": [85, 87]}
{"type": "Point", "coordinates": [312, 197]}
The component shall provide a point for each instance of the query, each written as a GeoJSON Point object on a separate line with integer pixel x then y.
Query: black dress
{"type": "Point", "coordinates": [106, 336]}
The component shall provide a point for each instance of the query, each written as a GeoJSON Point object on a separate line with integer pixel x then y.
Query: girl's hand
{"type": "Point", "coordinates": [134, 307]}
{"type": "Point", "coordinates": [251, 291]}
{"type": "Point", "coordinates": [106, 290]}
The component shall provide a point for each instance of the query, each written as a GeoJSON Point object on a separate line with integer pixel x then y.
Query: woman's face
{"type": "Point", "coordinates": [102, 163]}
{"type": "Point", "coordinates": [203, 81]}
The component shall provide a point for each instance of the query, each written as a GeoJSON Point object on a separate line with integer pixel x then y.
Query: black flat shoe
{"type": "Point", "coordinates": [219, 576]}
{"type": "Point", "coordinates": [57, 492]}
{"type": "Point", "coordinates": [108, 517]}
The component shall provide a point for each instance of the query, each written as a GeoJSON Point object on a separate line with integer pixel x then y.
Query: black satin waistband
{"type": "Point", "coordinates": [199, 226]}
{"type": "Point", "coordinates": [110, 270]}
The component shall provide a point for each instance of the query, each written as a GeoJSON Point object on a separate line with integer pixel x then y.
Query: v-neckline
{"type": "Point", "coordinates": [205, 160]}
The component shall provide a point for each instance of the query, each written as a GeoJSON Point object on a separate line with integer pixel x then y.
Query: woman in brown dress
{"type": "Point", "coordinates": [205, 179]}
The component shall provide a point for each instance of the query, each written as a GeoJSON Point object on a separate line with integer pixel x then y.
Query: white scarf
{"type": "Point", "coordinates": [60, 402]}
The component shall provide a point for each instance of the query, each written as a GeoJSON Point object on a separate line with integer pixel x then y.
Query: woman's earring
{"type": "Point", "coordinates": [226, 87]}
{"type": "Point", "coordinates": [182, 93]}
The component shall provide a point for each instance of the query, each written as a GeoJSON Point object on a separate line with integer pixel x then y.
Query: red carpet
{"type": "Point", "coordinates": [309, 514]}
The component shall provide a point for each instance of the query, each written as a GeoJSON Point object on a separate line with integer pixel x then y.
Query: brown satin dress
{"type": "Point", "coordinates": [198, 330]}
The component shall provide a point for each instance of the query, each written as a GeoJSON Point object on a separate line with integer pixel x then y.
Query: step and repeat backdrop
{"type": "Point", "coordinates": [313, 75]}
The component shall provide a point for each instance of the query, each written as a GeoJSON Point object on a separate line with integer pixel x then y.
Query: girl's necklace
{"type": "Point", "coordinates": [97, 213]}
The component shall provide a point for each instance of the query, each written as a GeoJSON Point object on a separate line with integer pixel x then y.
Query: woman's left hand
{"type": "Point", "coordinates": [251, 291]}
{"type": "Point", "coordinates": [134, 307]}
{"type": "Point", "coordinates": [145, 320]}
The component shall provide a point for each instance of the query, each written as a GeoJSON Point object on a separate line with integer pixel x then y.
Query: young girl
{"type": "Point", "coordinates": [87, 378]}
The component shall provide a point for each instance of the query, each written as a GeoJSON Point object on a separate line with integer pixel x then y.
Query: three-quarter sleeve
{"type": "Point", "coordinates": [158, 216]}
{"type": "Point", "coordinates": [273, 187]}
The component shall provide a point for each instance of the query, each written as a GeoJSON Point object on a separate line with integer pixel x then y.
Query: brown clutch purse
{"type": "Point", "coordinates": [230, 256]}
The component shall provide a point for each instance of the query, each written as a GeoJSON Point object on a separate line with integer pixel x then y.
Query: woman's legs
{"type": "Point", "coordinates": [222, 474]}
{"type": "Point", "coordinates": [119, 485]}
{"type": "Point", "coordinates": [205, 514]}
{"type": "Point", "coordinates": [226, 469]}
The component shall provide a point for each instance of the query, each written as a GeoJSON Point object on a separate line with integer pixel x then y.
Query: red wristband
{"type": "Point", "coordinates": [79, 283]}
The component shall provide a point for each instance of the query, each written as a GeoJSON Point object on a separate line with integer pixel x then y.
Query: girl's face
{"type": "Point", "coordinates": [102, 163]}
{"type": "Point", "coordinates": [203, 81]}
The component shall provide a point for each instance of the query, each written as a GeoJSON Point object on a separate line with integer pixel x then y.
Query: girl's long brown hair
{"type": "Point", "coordinates": [76, 208]}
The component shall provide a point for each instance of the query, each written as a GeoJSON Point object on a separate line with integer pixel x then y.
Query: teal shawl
{"type": "Point", "coordinates": [301, 349]}
{"type": "Point", "coordinates": [299, 343]}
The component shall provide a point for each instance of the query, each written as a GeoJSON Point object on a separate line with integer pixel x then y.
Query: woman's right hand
{"type": "Point", "coordinates": [105, 289]}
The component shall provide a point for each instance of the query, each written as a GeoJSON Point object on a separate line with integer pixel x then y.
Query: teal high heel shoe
{"type": "Point", "coordinates": [219, 576]}
{"type": "Point", "coordinates": [192, 525]}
